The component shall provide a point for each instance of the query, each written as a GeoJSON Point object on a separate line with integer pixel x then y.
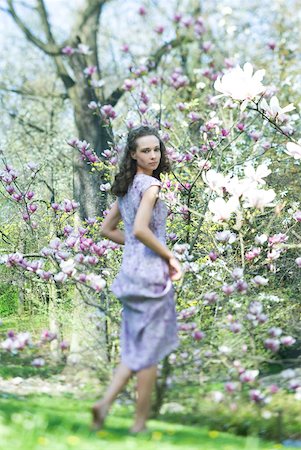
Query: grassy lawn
{"type": "Point", "coordinates": [60, 423]}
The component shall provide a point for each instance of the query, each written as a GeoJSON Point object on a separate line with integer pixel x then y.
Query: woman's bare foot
{"type": "Point", "coordinates": [138, 428]}
{"type": "Point", "coordinates": [99, 412]}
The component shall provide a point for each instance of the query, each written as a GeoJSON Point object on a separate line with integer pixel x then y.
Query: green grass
{"type": "Point", "coordinates": [59, 423]}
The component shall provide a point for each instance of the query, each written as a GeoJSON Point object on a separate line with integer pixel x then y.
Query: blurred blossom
{"type": "Point", "coordinates": [225, 236]}
{"type": "Point", "coordinates": [259, 240]}
{"type": "Point", "coordinates": [297, 216]}
{"type": "Point", "coordinates": [259, 198]}
{"type": "Point", "coordinates": [260, 281]}
{"type": "Point", "coordinates": [294, 149]}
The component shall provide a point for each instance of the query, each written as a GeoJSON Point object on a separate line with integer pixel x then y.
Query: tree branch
{"type": "Point", "coordinates": [49, 48]}
{"type": "Point", "coordinates": [32, 94]}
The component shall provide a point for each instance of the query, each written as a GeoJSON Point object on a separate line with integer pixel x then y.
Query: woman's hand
{"type": "Point", "coordinates": [175, 270]}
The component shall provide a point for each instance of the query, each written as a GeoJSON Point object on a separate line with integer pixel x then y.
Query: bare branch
{"type": "Point", "coordinates": [49, 48]}
{"type": "Point", "coordinates": [45, 21]}
{"type": "Point", "coordinates": [32, 94]}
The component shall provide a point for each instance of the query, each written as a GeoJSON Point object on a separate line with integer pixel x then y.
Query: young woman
{"type": "Point", "coordinates": [144, 282]}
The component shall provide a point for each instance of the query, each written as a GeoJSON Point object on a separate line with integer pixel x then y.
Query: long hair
{"type": "Point", "coordinates": [128, 165]}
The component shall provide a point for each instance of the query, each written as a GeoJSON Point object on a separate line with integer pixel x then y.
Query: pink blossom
{"type": "Point", "coordinates": [96, 282]}
{"type": "Point", "coordinates": [213, 256]}
{"type": "Point", "coordinates": [44, 275]}
{"type": "Point", "coordinates": [273, 388]}
{"type": "Point", "coordinates": [194, 116]}
{"type": "Point", "coordinates": [64, 345]}
{"type": "Point", "coordinates": [129, 85]}
{"type": "Point", "coordinates": [237, 273]}
{"type": "Point", "coordinates": [92, 105]}
{"type": "Point", "coordinates": [277, 238]}
{"type": "Point", "coordinates": [210, 298]}
{"type": "Point", "coordinates": [154, 81]}
{"type": "Point", "coordinates": [90, 70]}
{"type": "Point", "coordinates": [125, 48]}
{"type": "Point", "coordinates": [17, 197]}
{"type": "Point", "coordinates": [272, 344]}
{"type": "Point", "coordinates": [32, 207]}
{"type": "Point", "coordinates": [38, 362]}
{"type": "Point", "coordinates": [55, 243]}
{"type": "Point", "coordinates": [207, 45]}
{"type": "Point", "coordinates": [159, 29]}
{"type": "Point", "coordinates": [177, 79]}
{"type": "Point", "coordinates": [177, 17]}
{"type": "Point", "coordinates": [240, 126]}
{"type": "Point", "coordinates": [55, 206]}
{"type": "Point", "coordinates": [142, 11]}
{"type": "Point", "coordinates": [287, 340]}
{"type": "Point", "coordinates": [256, 396]}
{"type": "Point", "coordinates": [48, 336]}
{"type": "Point", "coordinates": [271, 45]}
{"type": "Point", "coordinates": [275, 332]}
{"type": "Point", "coordinates": [10, 189]}
{"type": "Point", "coordinates": [235, 327]}
{"type": "Point", "coordinates": [60, 277]}
{"type": "Point", "coordinates": [297, 216]}
{"type": "Point", "coordinates": [228, 289]}
{"type": "Point", "coordinates": [108, 111]}
{"type": "Point", "coordinates": [143, 108]}
{"type": "Point", "coordinates": [68, 51]}
{"type": "Point", "coordinates": [198, 335]}
{"type": "Point", "coordinates": [181, 106]}
{"type": "Point", "coordinates": [248, 376]}
{"type": "Point", "coordinates": [230, 387]}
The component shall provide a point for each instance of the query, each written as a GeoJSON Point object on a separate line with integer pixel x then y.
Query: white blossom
{"type": "Point", "coordinates": [259, 198]}
{"type": "Point", "coordinates": [274, 110]}
{"type": "Point", "coordinates": [241, 84]}
{"type": "Point", "coordinates": [222, 209]}
{"type": "Point", "coordinates": [294, 149]}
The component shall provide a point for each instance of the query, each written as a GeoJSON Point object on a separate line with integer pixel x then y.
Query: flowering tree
{"type": "Point", "coordinates": [236, 235]}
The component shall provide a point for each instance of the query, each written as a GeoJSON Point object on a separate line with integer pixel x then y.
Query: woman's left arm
{"type": "Point", "coordinates": [109, 225]}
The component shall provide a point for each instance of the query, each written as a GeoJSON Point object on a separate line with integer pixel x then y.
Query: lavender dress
{"type": "Point", "coordinates": [149, 325]}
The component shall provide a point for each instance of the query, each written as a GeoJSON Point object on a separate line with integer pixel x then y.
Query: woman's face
{"type": "Point", "coordinates": [147, 154]}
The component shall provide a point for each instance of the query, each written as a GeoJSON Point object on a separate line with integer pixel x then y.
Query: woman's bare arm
{"type": "Point", "coordinates": [141, 228]}
{"type": "Point", "coordinates": [109, 225]}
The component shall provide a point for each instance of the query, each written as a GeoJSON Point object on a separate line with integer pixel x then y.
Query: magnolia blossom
{"type": "Point", "coordinates": [294, 149]}
{"type": "Point", "coordinates": [274, 111]}
{"type": "Point", "coordinates": [96, 282]}
{"type": "Point", "coordinates": [68, 267]}
{"type": "Point", "coordinates": [216, 181]}
{"type": "Point", "coordinates": [238, 187]}
{"type": "Point", "coordinates": [260, 281]}
{"type": "Point", "coordinates": [257, 175]}
{"type": "Point", "coordinates": [241, 84]}
{"type": "Point", "coordinates": [259, 198]}
{"type": "Point", "coordinates": [222, 209]}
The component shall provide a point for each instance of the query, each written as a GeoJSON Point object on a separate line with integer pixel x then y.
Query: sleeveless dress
{"type": "Point", "coordinates": [149, 324]}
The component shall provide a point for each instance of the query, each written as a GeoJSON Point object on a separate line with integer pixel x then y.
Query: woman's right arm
{"type": "Point", "coordinates": [109, 225]}
{"type": "Point", "coordinates": [142, 232]}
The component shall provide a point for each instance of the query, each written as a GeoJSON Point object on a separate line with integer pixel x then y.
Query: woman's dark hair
{"type": "Point", "coordinates": [128, 165]}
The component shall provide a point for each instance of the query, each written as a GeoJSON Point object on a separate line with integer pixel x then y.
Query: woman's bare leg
{"type": "Point", "coordinates": [145, 382]}
{"type": "Point", "coordinates": [101, 408]}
